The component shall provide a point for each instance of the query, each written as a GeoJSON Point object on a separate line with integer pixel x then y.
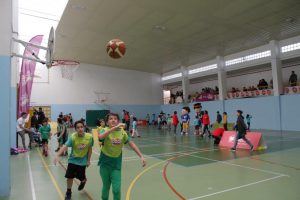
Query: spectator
{"type": "Point", "coordinates": [293, 79]}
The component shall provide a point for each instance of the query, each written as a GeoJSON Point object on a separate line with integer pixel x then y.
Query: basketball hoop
{"type": "Point", "coordinates": [68, 68]}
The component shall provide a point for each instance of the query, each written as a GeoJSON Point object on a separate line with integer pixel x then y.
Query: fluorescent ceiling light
{"type": "Point", "coordinates": [203, 69]}
{"type": "Point", "coordinates": [247, 58]}
{"type": "Point", "coordinates": [291, 47]}
{"type": "Point", "coordinates": [171, 76]}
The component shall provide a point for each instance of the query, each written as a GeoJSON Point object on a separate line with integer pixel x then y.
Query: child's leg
{"type": "Point", "coordinates": [105, 173]}
{"type": "Point", "coordinates": [116, 184]}
{"type": "Point", "coordinates": [137, 133]}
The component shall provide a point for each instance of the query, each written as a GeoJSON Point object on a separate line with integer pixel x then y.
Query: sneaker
{"type": "Point", "coordinates": [252, 148]}
{"type": "Point", "coordinates": [233, 149]}
{"type": "Point", "coordinates": [81, 185]}
{"type": "Point", "coordinates": [68, 196]}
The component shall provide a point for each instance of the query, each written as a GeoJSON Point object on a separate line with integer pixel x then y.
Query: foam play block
{"type": "Point", "coordinates": [254, 137]}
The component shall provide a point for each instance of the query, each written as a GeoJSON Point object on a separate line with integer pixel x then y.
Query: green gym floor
{"type": "Point", "coordinates": [178, 167]}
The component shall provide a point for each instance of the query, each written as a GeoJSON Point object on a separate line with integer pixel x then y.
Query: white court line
{"type": "Point", "coordinates": [31, 179]}
{"type": "Point", "coordinates": [237, 165]}
{"type": "Point", "coordinates": [168, 143]}
{"type": "Point", "coordinates": [235, 188]}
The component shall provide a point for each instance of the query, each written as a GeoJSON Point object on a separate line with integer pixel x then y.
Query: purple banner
{"type": "Point", "coordinates": [27, 74]}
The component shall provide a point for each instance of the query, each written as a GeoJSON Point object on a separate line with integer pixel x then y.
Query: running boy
{"type": "Point", "coordinates": [110, 160]}
{"type": "Point", "coordinates": [46, 135]}
{"type": "Point", "coordinates": [81, 144]}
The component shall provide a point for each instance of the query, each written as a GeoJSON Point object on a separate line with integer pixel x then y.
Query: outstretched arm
{"type": "Point", "coordinates": [64, 148]}
{"type": "Point", "coordinates": [138, 152]}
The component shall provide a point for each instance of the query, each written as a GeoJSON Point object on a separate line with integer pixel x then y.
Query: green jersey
{"type": "Point", "coordinates": [45, 132]}
{"type": "Point", "coordinates": [111, 152]}
{"type": "Point", "coordinates": [80, 147]}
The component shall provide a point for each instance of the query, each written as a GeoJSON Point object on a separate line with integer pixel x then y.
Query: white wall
{"type": "Point", "coordinates": [125, 86]}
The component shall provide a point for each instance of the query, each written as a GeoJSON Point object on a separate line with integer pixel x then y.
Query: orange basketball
{"type": "Point", "coordinates": [116, 48]}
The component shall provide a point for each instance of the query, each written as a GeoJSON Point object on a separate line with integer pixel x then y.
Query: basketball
{"type": "Point", "coordinates": [116, 48]}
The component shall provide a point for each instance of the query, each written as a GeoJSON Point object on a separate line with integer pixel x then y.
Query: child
{"type": "Point", "coordinates": [46, 135]}
{"type": "Point", "coordinates": [134, 128]}
{"type": "Point", "coordinates": [169, 122]}
{"type": "Point", "coordinates": [101, 129]}
{"type": "Point", "coordinates": [185, 119]}
{"type": "Point", "coordinates": [248, 119]}
{"type": "Point", "coordinates": [206, 123]}
{"type": "Point", "coordinates": [110, 160]}
{"type": "Point", "coordinates": [197, 125]}
{"type": "Point", "coordinates": [225, 121]}
{"type": "Point", "coordinates": [63, 133]}
{"type": "Point", "coordinates": [81, 144]}
{"type": "Point", "coordinates": [175, 121]}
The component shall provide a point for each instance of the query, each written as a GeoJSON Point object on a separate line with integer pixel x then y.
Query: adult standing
{"type": "Point", "coordinates": [241, 129]}
{"type": "Point", "coordinates": [41, 116]}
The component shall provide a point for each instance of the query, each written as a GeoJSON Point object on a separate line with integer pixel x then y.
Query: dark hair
{"type": "Point", "coordinates": [134, 119]}
{"type": "Point", "coordinates": [205, 112]}
{"type": "Point", "coordinates": [59, 120]}
{"type": "Point", "coordinates": [175, 112]}
{"type": "Point", "coordinates": [187, 109]}
{"type": "Point", "coordinates": [225, 113]}
{"type": "Point", "coordinates": [78, 122]}
{"type": "Point", "coordinates": [23, 113]}
{"type": "Point", "coordinates": [112, 114]}
{"type": "Point", "coordinates": [239, 111]}
{"type": "Point", "coordinates": [45, 120]}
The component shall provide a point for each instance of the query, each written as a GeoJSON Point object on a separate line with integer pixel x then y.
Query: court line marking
{"type": "Point", "coordinates": [31, 179]}
{"type": "Point", "coordinates": [152, 166]}
{"type": "Point", "coordinates": [275, 163]}
{"type": "Point", "coordinates": [237, 165]}
{"type": "Point", "coordinates": [61, 196]}
{"type": "Point", "coordinates": [168, 182]}
{"type": "Point", "coordinates": [238, 187]}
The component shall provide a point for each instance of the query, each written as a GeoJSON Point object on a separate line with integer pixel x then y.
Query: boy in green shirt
{"type": "Point", "coordinates": [46, 135]}
{"type": "Point", "coordinates": [81, 144]}
{"type": "Point", "coordinates": [110, 160]}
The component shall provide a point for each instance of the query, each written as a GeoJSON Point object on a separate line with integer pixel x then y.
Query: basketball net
{"type": "Point", "coordinates": [67, 68]}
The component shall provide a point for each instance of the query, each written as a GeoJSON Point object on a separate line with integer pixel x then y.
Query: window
{"type": "Point", "coordinates": [291, 47]}
{"type": "Point", "coordinates": [171, 76]}
{"type": "Point", "coordinates": [203, 69]}
{"type": "Point", "coordinates": [248, 58]}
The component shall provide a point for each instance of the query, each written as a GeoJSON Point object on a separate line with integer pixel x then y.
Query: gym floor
{"type": "Point", "coordinates": [178, 167]}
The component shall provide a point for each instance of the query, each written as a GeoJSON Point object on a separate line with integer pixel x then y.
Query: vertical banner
{"type": "Point", "coordinates": [27, 74]}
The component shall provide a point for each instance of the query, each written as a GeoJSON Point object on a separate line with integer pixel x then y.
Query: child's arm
{"type": "Point", "coordinates": [138, 152]}
{"type": "Point", "coordinates": [89, 156]}
{"type": "Point", "coordinates": [62, 132]}
{"type": "Point", "coordinates": [64, 148]}
{"type": "Point", "coordinates": [106, 133]}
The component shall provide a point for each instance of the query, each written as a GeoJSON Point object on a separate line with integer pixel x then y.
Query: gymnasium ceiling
{"type": "Point", "coordinates": [162, 35]}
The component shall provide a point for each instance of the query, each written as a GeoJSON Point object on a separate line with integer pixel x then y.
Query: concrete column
{"type": "Point", "coordinates": [222, 83]}
{"type": "Point", "coordinates": [185, 84]}
{"type": "Point", "coordinates": [276, 68]}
